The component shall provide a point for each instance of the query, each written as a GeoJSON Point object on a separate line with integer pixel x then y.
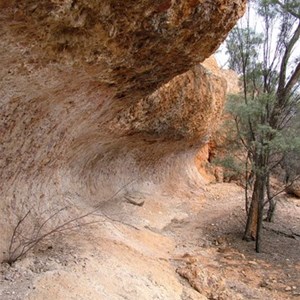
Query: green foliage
{"type": "Point", "coordinates": [246, 119]}
{"type": "Point", "coordinates": [260, 111]}
{"type": "Point", "coordinates": [269, 71]}
{"type": "Point", "coordinates": [240, 52]}
{"type": "Point", "coordinates": [233, 168]}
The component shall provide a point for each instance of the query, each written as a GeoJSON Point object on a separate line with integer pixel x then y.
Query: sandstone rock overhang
{"type": "Point", "coordinates": [132, 46]}
{"type": "Point", "coordinates": [84, 109]}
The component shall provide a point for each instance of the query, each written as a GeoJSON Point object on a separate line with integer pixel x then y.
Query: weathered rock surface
{"type": "Point", "coordinates": [217, 142]}
{"type": "Point", "coordinates": [187, 107]}
{"type": "Point", "coordinates": [233, 82]}
{"type": "Point", "coordinates": [132, 46]}
{"type": "Point", "coordinates": [78, 117]}
{"type": "Point", "coordinates": [294, 189]}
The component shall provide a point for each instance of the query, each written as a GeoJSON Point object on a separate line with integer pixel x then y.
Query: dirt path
{"type": "Point", "coordinates": [210, 245]}
{"type": "Point", "coordinates": [166, 249]}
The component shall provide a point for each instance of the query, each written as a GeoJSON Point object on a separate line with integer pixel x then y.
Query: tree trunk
{"type": "Point", "coordinates": [260, 212]}
{"type": "Point", "coordinates": [271, 210]}
{"type": "Point", "coordinates": [256, 209]}
{"type": "Point", "coordinates": [271, 201]}
{"type": "Point", "coordinates": [251, 226]}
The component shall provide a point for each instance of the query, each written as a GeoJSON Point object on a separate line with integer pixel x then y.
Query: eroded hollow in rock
{"type": "Point", "coordinates": [89, 101]}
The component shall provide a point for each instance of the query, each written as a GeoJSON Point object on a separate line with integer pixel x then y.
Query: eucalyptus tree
{"type": "Point", "coordinates": [264, 54]}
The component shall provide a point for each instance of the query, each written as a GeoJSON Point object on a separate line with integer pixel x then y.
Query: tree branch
{"type": "Point", "coordinates": [282, 91]}
{"type": "Point", "coordinates": [285, 7]}
{"type": "Point", "coordinates": [282, 190]}
{"type": "Point", "coordinates": [293, 80]}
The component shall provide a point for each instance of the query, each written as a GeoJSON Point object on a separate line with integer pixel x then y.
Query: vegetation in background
{"type": "Point", "coordinates": [263, 113]}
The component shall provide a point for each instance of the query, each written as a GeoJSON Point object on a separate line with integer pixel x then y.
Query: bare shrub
{"type": "Point", "coordinates": [34, 226]}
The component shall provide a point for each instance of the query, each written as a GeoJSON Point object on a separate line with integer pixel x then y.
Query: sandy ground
{"type": "Point", "coordinates": [167, 248]}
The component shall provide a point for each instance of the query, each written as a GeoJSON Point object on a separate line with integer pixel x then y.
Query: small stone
{"type": "Point", "coordinates": [288, 288]}
{"type": "Point", "coordinates": [264, 284]}
{"type": "Point", "coordinates": [139, 201]}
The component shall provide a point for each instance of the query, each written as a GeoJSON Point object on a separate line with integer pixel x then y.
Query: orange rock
{"type": "Point", "coordinates": [84, 109]}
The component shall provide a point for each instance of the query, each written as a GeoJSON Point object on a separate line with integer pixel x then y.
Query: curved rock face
{"type": "Point", "coordinates": [132, 46]}
{"type": "Point", "coordinates": [294, 189]}
{"type": "Point", "coordinates": [82, 114]}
